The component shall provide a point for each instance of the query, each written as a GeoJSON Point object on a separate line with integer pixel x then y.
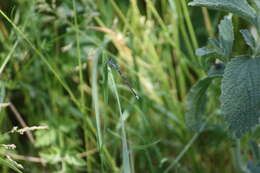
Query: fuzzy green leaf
{"type": "Point", "coordinates": [226, 36]}
{"type": "Point", "coordinates": [238, 7]}
{"type": "Point", "coordinates": [215, 45]}
{"type": "Point", "coordinates": [249, 39]}
{"type": "Point", "coordinates": [197, 98]}
{"type": "Point", "coordinates": [224, 45]}
{"type": "Point", "coordinates": [217, 48]}
{"type": "Point", "coordinates": [196, 104]}
{"type": "Point", "coordinates": [240, 97]}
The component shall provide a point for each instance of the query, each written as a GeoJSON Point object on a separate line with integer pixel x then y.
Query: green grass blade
{"type": "Point", "coordinates": [10, 165]}
{"type": "Point", "coordinates": [82, 98]}
{"type": "Point", "coordinates": [125, 150]}
{"type": "Point", "coordinates": [8, 57]}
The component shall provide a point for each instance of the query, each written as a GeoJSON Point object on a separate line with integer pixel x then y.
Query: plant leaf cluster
{"type": "Point", "coordinates": [240, 85]}
{"type": "Point", "coordinates": [240, 101]}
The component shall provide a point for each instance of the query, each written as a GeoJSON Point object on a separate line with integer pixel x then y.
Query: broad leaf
{"type": "Point", "coordinates": [197, 98]}
{"type": "Point", "coordinates": [238, 7]}
{"type": "Point", "coordinates": [240, 97]}
{"type": "Point", "coordinates": [196, 104]}
{"type": "Point", "coordinates": [249, 39]}
{"type": "Point", "coordinates": [210, 53]}
{"type": "Point", "coordinates": [215, 46]}
{"type": "Point", "coordinates": [226, 36]}
{"type": "Point", "coordinates": [222, 48]}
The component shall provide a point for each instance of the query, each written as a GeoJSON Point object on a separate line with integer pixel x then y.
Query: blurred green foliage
{"type": "Point", "coordinates": [55, 81]}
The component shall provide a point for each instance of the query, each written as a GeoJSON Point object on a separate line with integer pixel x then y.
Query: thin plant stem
{"type": "Point", "coordinates": [188, 145]}
{"type": "Point", "coordinates": [81, 83]}
{"type": "Point", "coordinates": [237, 158]}
{"type": "Point", "coordinates": [8, 57]}
{"type": "Point", "coordinates": [189, 24]}
{"type": "Point", "coordinates": [207, 22]}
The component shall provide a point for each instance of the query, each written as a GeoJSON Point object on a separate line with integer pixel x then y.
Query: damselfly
{"type": "Point", "coordinates": [115, 66]}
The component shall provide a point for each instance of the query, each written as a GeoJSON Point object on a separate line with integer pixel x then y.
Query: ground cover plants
{"type": "Point", "coordinates": [122, 86]}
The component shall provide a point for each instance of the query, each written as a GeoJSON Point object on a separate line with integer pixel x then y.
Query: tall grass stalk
{"type": "Point", "coordinates": [95, 95]}
{"type": "Point", "coordinates": [188, 145]}
{"type": "Point", "coordinates": [81, 83]}
{"type": "Point", "coordinates": [125, 149]}
{"type": "Point", "coordinates": [8, 57]}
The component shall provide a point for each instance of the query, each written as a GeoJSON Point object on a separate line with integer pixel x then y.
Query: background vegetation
{"type": "Point", "coordinates": [54, 71]}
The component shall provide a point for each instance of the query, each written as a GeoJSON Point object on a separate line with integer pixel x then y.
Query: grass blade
{"type": "Point", "coordinates": [125, 150]}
